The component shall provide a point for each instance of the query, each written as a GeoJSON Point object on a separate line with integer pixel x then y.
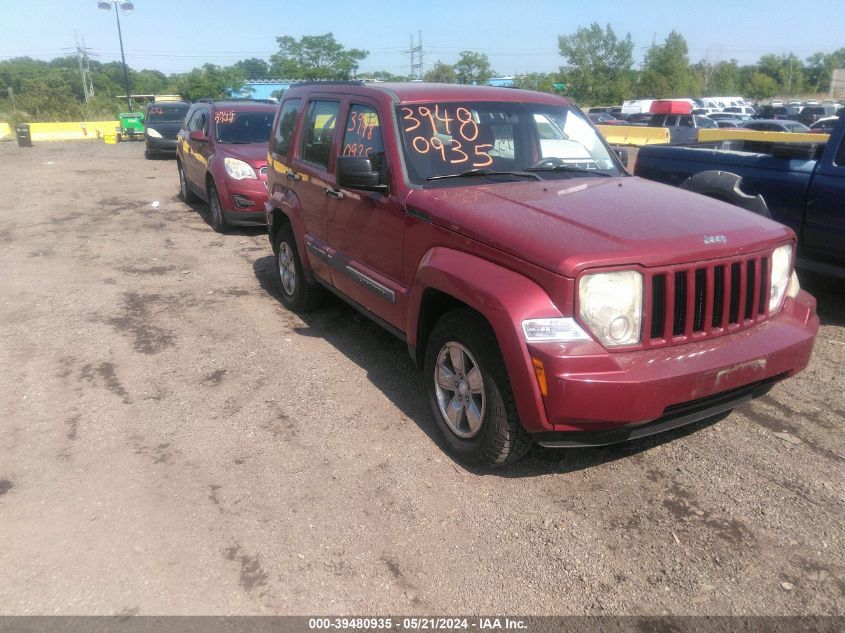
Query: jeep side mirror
{"type": "Point", "coordinates": [357, 173]}
{"type": "Point", "coordinates": [198, 135]}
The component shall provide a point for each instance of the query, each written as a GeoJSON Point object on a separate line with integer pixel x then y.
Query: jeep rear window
{"type": "Point", "coordinates": [318, 132]}
{"type": "Point", "coordinates": [243, 127]}
{"type": "Point", "coordinates": [283, 139]}
{"type": "Point", "coordinates": [451, 138]}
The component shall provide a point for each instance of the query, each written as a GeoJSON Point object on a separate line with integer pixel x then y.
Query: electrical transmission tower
{"type": "Point", "coordinates": [416, 53]}
{"type": "Point", "coordinates": [84, 70]}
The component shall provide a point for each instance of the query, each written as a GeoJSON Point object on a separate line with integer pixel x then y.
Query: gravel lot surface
{"type": "Point", "coordinates": [173, 441]}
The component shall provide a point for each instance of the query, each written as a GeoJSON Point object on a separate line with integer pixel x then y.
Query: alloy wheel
{"type": "Point", "coordinates": [287, 268]}
{"type": "Point", "coordinates": [459, 387]}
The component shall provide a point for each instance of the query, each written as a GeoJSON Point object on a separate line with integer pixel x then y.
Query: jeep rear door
{"type": "Point", "coordinates": [312, 182]}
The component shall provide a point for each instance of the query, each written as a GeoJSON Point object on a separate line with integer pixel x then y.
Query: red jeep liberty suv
{"type": "Point", "coordinates": [221, 156]}
{"type": "Point", "coordinates": [548, 295]}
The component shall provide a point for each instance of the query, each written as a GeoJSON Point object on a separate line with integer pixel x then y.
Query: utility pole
{"type": "Point", "coordinates": [127, 6]}
{"type": "Point", "coordinates": [416, 53]}
{"type": "Point", "coordinates": [789, 78]}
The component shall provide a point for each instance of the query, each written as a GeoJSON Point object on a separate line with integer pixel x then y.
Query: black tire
{"type": "Point", "coordinates": [150, 154]}
{"type": "Point", "coordinates": [184, 190]}
{"type": "Point", "coordinates": [499, 439]}
{"type": "Point", "coordinates": [215, 210]}
{"type": "Point", "coordinates": [297, 292]}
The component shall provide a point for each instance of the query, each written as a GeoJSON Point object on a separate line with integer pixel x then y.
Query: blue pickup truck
{"type": "Point", "coordinates": [801, 185]}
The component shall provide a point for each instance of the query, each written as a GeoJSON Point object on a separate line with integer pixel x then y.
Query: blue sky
{"type": "Point", "coordinates": [175, 36]}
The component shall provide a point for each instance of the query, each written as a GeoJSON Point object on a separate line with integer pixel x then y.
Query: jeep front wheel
{"type": "Point", "coordinates": [470, 394]}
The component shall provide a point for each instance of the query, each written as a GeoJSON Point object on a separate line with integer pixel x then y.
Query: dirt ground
{"type": "Point", "coordinates": [173, 441]}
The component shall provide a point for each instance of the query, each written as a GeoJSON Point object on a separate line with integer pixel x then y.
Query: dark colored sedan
{"type": "Point", "coordinates": [639, 118]}
{"type": "Point", "coordinates": [812, 113]}
{"type": "Point", "coordinates": [603, 118]}
{"type": "Point", "coordinates": [163, 121]}
{"type": "Point", "coordinates": [776, 125]}
{"type": "Point", "coordinates": [729, 116]}
{"type": "Point", "coordinates": [776, 112]}
{"type": "Point", "coordinates": [824, 126]}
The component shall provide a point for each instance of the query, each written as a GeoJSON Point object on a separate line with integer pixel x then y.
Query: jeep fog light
{"type": "Point", "coordinates": [611, 306]}
{"type": "Point", "coordinates": [553, 330]}
{"type": "Point", "coordinates": [780, 277]}
{"type": "Point", "coordinates": [238, 169]}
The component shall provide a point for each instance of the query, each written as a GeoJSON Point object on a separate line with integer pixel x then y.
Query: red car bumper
{"type": "Point", "coordinates": [243, 200]}
{"type": "Point", "coordinates": [600, 394]}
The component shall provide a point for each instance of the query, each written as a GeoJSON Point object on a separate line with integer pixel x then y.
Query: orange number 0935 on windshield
{"type": "Point", "coordinates": [426, 127]}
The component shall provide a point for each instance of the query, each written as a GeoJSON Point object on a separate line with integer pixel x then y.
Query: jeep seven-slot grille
{"type": "Point", "coordinates": [691, 302]}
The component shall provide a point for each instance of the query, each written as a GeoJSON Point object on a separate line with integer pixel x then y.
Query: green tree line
{"type": "Point", "coordinates": [598, 68]}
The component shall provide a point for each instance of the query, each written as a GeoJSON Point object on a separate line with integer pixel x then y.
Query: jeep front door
{"type": "Point", "coordinates": [366, 228]}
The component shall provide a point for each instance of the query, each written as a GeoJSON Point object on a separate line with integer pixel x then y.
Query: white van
{"type": "Point", "coordinates": [636, 106]}
{"type": "Point", "coordinates": [723, 102]}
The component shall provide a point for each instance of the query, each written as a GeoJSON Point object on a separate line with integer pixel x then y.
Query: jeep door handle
{"type": "Point", "coordinates": [334, 193]}
{"type": "Point", "coordinates": [292, 175]}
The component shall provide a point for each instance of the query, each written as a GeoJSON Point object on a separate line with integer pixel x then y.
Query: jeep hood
{"type": "Point", "coordinates": [571, 224]}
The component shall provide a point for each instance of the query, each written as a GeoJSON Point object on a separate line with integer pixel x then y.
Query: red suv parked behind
{"type": "Point", "coordinates": [222, 159]}
{"type": "Point", "coordinates": [548, 295]}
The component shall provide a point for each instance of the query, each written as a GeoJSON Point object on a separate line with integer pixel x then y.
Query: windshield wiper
{"type": "Point", "coordinates": [570, 168]}
{"type": "Point", "coordinates": [485, 172]}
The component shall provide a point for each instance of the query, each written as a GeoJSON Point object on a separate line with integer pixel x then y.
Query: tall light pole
{"type": "Point", "coordinates": [125, 5]}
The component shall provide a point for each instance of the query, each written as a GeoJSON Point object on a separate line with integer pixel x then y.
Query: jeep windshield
{"type": "Point", "coordinates": [242, 128]}
{"type": "Point", "coordinates": [446, 143]}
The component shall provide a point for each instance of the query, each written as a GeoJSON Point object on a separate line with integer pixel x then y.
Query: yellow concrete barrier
{"type": "Point", "coordinates": [727, 134]}
{"type": "Point", "coordinates": [634, 134]}
{"type": "Point", "coordinates": [5, 132]}
{"type": "Point", "coordinates": [71, 131]}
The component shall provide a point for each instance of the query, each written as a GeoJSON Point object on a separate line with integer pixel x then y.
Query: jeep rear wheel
{"type": "Point", "coordinates": [470, 394]}
{"type": "Point", "coordinates": [298, 293]}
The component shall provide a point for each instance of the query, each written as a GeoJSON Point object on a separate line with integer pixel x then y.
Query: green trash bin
{"type": "Point", "coordinates": [23, 135]}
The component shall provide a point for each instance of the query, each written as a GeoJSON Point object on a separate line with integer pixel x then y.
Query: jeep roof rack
{"type": "Point", "coordinates": [328, 82]}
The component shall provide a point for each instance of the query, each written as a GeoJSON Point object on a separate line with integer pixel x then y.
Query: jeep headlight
{"type": "Point", "coordinates": [238, 169]}
{"type": "Point", "coordinates": [780, 277]}
{"type": "Point", "coordinates": [151, 131]}
{"type": "Point", "coordinates": [561, 329]}
{"type": "Point", "coordinates": [610, 305]}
